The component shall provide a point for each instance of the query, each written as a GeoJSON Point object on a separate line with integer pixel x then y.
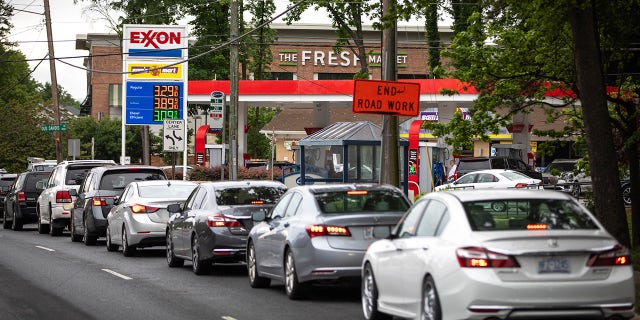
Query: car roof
{"type": "Point", "coordinates": [333, 187]}
{"type": "Point", "coordinates": [502, 194]}
{"type": "Point", "coordinates": [119, 167]}
{"type": "Point", "coordinates": [241, 183]}
{"type": "Point", "coordinates": [494, 171]}
{"type": "Point", "coordinates": [164, 182]}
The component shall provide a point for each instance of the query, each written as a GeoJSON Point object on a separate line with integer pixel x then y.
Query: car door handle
{"type": "Point", "coordinates": [286, 225]}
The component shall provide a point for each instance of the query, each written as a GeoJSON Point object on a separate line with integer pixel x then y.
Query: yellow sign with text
{"type": "Point", "coordinates": [154, 71]}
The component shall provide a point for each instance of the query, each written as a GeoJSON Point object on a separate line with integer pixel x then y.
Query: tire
{"type": "Point", "coordinates": [172, 260]}
{"type": "Point", "coordinates": [369, 296]}
{"type": "Point", "coordinates": [255, 280]}
{"type": "Point", "coordinates": [42, 228]}
{"type": "Point", "coordinates": [110, 246]}
{"type": "Point", "coordinates": [127, 250]}
{"type": "Point", "coordinates": [430, 305]}
{"type": "Point", "coordinates": [53, 230]}
{"type": "Point", "coordinates": [199, 267]}
{"type": "Point", "coordinates": [294, 289]}
{"type": "Point", "coordinates": [626, 194]}
{"type": "Point", "coordinates": [89, 240]}
{"type": "Point", "coordinates": [575, 191]}
{"type": "Point", "coordinates": [72, 232]}
{"type": "Point", "coordinates": [5, 224]}
{"type": "Point", "coordinates": [17, 223]}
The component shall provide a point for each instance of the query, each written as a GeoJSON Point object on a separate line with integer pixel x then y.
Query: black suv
{"type": "Point", "coordinates": [22, 199]}
{"type": "Point", "coordinates": [97, 194]}
{"type": "Point", "coordinates": [466, 165]}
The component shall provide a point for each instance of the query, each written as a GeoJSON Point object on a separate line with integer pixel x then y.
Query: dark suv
{"type": "Point", "coordinates": [97, 194]}
{"type": "Point", "coordinates": [466, 165]}
{"type": "Point", "coordinates": [22, 199]}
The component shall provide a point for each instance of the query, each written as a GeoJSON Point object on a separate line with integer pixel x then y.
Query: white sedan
{"type": "Point", "coordinates": [494, 179]}
{"type": "Point", "coordinates": [538, 254]}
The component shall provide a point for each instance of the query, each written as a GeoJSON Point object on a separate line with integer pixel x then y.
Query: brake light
{"type": "Point", "coordinates": [322, 230]}
{"type": "Point", "coordinates": [618, 256]}
{"type": "Point", "coordinates": [138, 208]}
{"type": "Point", "coordinates": [521, 185]}
{"type": "Point", "coordinates": [99, 202]}
{"type": "Point", "coordinates": [257, 201]}
{"type": "Point", "coordinates": [537, 226]}
{"type": "Point", "coordinates": [219, 220]}
{"type": "Point", "coordinates": [21, 197]}
{"type": "Point", "coordinates": [357, 192]}
{"type": "Point", "coordinates": [455, 175]}
{"type": "Point", "coordinates": [475, 257]}
{"type": "Point", "coordinates": [63, 197]}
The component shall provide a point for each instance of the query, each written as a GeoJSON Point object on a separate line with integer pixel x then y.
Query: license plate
{"type": "Point", "coordinates": [553, 265]}
{"type": "Point", "coordinates": [378, 232]}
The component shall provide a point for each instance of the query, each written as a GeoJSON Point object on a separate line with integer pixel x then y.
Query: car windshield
{"type": "Point", "coordinates": [248, 195]}
{"type": "Point", "coordinates": [356, 201]}
{"type": "Point", "coordinates": [165, 191]}
{"type": "Point", "coordinates": [527, 214]}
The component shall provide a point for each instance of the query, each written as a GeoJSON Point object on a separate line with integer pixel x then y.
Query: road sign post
{"type": "Point", "coordinates": [174, 135]}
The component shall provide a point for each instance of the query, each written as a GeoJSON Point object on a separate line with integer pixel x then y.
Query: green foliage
{"type": "Point", "coordinates": [107, 137]}
{"type": "Point", "coordinates": [64, 97]}
{"type": "Point", "coordinates": [258, 46]}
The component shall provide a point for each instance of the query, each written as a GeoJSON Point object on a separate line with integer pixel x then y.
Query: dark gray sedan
{"type": "Point", "coordinates": [319, 233]}
{"type": "Point", "coordinates": [213, 224]}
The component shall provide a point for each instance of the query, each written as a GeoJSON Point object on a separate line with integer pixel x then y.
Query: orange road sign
{"type": "Point", "coordinates": [386, 97]}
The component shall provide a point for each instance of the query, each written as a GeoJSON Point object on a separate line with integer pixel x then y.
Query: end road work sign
{"type": "Point", "coordinates": [386, 97]}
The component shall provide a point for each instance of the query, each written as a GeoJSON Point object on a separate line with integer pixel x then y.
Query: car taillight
{"type": "Point", "coordinates": [322, 230]}
{"type": "Point", "coordinates": [219, 220]}
{"type": "Point", "coordinates": [475, 257]}
{"type": "Point", "coordinates": [618, 256]}
{"type": "Point", "coordinates": [99, 202]}
{"type": "Point", "coordinates": [455, 175]}
{"type": "Point", "coordinates": [521, 185]}
{"type": "Point", "coordinates": [63, 197]}
{"type": "Point", "coordinates": [138, 208]}
{"type": "Point", "coordinates": [21, 197]}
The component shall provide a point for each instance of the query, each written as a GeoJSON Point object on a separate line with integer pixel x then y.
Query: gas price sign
{"type": "Point", "coordinates": [152, 102]}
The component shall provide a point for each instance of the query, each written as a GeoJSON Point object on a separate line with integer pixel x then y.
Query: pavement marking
{"type": "Point", "coordinates": [122, 276]}
{"type": "Point", "coordinates": [45, 248]}
{"type": "Point", "coordinates": [228, 318]}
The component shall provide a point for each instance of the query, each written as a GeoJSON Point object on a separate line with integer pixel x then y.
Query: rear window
{"type": "Point", "coordinates": [355, 201]}
{"type": "Point", "coordinates": [560, 167]}
{"type": "Point", "coordinates": [75, 174]}
{"type": "Point", "coordinates": [474, 165]}
{"type": "Point", "coordinates": [119, 179]}
{"type": "Point", "coordinates": [7, 181]}
{"type": "Point", "coordinates": [247, 195]}
{"type": "Point", "coordinates": [165, 191]}
{"type": "Point", "coordinates": [32, 179]}
{"type": "Point", "coordinates": [527, 214]}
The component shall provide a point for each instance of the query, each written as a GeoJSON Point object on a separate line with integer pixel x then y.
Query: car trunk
{"type": "Point", "coordinates": [161, 215]}
{"type": "Point", "coordinates": [242, 214]}
{"type": "Point", "coordinates": [365, 228]}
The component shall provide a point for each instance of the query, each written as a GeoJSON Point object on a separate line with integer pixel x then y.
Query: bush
{"type": "Point", "coordinates": [213, 173]}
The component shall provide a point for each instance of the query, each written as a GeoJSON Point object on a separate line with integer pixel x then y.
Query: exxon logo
{"type": "Point", "coordinates": [154, 39]}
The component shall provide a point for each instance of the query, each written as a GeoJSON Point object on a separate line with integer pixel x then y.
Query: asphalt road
{"type": "Point", "coordinates": [44, 277]}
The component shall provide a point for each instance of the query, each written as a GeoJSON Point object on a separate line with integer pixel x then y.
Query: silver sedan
{"type": "Point", "coordinates": [139, 218]}
{"type": "Point", "coordinates": [498, 254]}
{"type": "Point", "coordinates": [319, 233]}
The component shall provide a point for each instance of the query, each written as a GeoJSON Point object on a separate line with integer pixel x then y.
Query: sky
{"type": "Point", "coordinates": [67, 21]}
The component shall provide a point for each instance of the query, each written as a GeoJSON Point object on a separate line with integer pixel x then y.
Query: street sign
{"type": "Point", "coordinates": [174, 135]}
{"type": "Point", "coordinates": [216, 111]}
{"type": "Point", "coordinates": [53, 127]}
{"type": "Point", "coordinates": [386, 97]}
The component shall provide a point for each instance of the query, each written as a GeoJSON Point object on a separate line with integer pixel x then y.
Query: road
{"type": "Point", "coordinates": [44, 277]}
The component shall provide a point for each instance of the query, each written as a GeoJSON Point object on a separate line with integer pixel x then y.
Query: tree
{"type": "Point", "coordinates": [64, 97]}
{"type": "Point", "coordinates": [106, 136]}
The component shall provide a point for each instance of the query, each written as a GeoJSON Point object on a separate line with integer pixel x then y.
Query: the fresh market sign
{"type": "Point", "coordinates": [291, 57]}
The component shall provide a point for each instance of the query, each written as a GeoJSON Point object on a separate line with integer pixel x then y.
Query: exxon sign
{"type": "Point", "coordinates": [143, 41]}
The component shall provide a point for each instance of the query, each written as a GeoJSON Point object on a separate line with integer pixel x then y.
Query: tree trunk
{"type": "Point", "coordinates": [592, 93]}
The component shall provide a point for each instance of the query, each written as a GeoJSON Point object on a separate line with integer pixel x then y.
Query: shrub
{"type": "Point", "coordinates": [213, 173]}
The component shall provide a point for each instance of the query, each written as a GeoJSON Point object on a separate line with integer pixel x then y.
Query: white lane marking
{"type": "Point", "coordinates": [45, 248]}
{"type": "Point", "coordinates": [122, 276]}
{"type": "Point", "coordinates": [229, 318]}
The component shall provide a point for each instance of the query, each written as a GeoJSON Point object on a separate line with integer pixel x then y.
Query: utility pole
{"type": "Point", "coordinates": [233, 107]}
{"type": "Point", "coordinates": [54, 81]}
{"type": "Point", "coordinates": [389, 163]}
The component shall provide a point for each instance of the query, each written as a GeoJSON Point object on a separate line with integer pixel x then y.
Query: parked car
{"type": "Point", "coordinates": [55, 203]}
{"type": "Point", "coordinates": [213, 224]}
{"type": "Point", "coordinates": [139, 217]}
{"type": "Point", "coordinates": [498, 254]}
{"type": "Point", "coordinates": [319, 233]}
{"type": "Point", "coordinates": [493, 179]}
{"type": "Point", "coordinates": [466, 165]}
{"type": "Point", "coordinates": [6, 181]}
{"type": "Point", "coordinates": [21, 200]}
{"type": "Point", "coordinates": [568, 177]}
{"type": "Point", "coordinates": [100, 189]}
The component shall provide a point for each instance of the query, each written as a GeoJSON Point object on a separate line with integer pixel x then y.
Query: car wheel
{"type": "Point", "coordinates": [294, 289]}
{"type": "Point", "coordinates": [73, 232]}
{"type": "Point", "coordinates": [430, 309]}
{"type": "Point", "coordinates": [626, 195]}
{"type": "Point", "coordinates": [575, 191]}
{"type": "Point", "coordinates": [53, 230]}
{"type": "Point", "coordinates": [255, 280]}
{"type": "Point", "coordinates": [42, 228]}
{"type": "Point", "coordinates": [88, 239]}
{"type": "Point", "coordinates": [172, 260]}
{"type": "Point", "coordinates": [199, 267]}
{"type": "Point", "coordinates": [17, 223]}
{"type": "Point", "coordinates": [5, 224]}
{"type": "Point", "coordinates": [110, 246]}
{"type": "Point", "coordinates": [498, 206]}
{"type": "Point", "coordinates": [127, 250]}
{"type": "Point", "coordinates": [369, 296]}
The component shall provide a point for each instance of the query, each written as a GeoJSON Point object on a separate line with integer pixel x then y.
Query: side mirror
{"type": "Point", "coordinates": [174, 208]}
{"type": "Point", "coordinates": [258, 216]}
{"type": "Point", "coordinates": [73, 192]}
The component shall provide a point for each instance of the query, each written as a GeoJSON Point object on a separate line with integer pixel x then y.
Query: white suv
{"type": "Point", "coordinates": [55, 203]}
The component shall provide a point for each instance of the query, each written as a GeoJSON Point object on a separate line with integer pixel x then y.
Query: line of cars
{"type": "Point", "coordinates": [465, 254]}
